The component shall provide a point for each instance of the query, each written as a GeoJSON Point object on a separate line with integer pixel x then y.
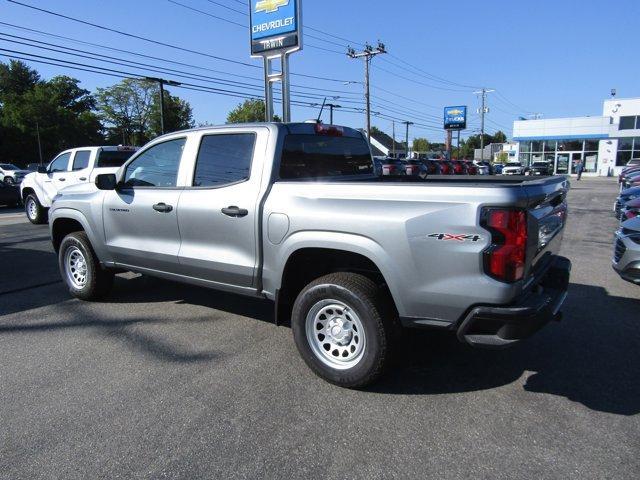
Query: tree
{"type": "Point", "coordinates": [499, 137]}
{"type": "Point", "coordinates": [421, 145]}
{"type": "Point", "coordinates": [59, 108]}
{"type": "Point", "coordinates": [249, 111]}
{"type": "Point", "coordinates": [131, 111]}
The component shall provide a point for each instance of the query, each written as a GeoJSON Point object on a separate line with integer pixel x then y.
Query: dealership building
{"type": "Point", "coordinates": [605, 144]}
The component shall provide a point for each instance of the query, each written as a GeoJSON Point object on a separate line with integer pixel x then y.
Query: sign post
{"type": "Point", "coordinates": [455, 119]}
{"type": "Point", "coordinates": [276, 32]}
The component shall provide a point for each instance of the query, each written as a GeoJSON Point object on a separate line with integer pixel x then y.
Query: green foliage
{"type": "Point", "coordinates": [468, 146]}
{"type": "Point", "coordinates": [59, 108]}
{"type": "Point", "coordinates": [130, 110]}
{"type": "Point", "coordinates": [421, 145]}
{"type": "Point", "coordinates": [249, 111]}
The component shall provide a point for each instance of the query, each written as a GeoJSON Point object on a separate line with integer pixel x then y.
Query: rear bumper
{"type": "Point", "coordinates": [631, 273]}
{"type": "Point", "coordinates": [503, 326]}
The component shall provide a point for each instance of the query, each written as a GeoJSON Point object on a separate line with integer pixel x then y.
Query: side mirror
{"type": "Point", "coordinates": [42, 169]}
{"type": "Point", "coordinates": [106, 181]}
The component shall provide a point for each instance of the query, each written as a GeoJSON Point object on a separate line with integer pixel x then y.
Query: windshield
{"type": "Point", "coordinates": [8, 166]}
{"type": "Point", "coordinates": [514, 165]}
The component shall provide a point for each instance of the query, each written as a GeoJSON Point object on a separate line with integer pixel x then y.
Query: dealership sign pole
{"type": "Point", "coordinates": [455, 118]}
{"type": "Point", "coordinates": [276, 32]}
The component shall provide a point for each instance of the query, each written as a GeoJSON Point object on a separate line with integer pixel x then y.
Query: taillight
{"type": "Point", "coordinates": [505, 259]}
{"type": "Point", "coordinates": [457, 169]}
{"type": "Point", "coordinates": [631, 214]}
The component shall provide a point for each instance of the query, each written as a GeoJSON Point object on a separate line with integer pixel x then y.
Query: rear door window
{"type": "Point", "coordinates": [113, 158]}
{"type": "Point", "coordinates": [224, 159]}
{"type": "Point", "coordinates": [81, 159]}
{"type": "Point", "coordinates": [317, 156]}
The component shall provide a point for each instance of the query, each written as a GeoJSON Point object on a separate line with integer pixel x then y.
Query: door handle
{"type": "Point", "coordinates": [162, 208]}
{"type": "Point", "coordinates": [235, 212]}
{"type": "Point", "coordinates": [61, 179]}
{"type": "Point", "coordinates": [82, 179]}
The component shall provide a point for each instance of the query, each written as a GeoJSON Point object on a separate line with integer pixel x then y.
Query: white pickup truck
{"type": "Point", "coordinates": [10, 174]}
{"type": "Point", "coordinates": [71, 167]}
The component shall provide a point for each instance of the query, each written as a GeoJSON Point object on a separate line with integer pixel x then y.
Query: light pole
{"type": "Point", "coordinates": [483, 110]}
{"type": "Point", "coordinates": [162, 82]}
{"type": "Point", "coordinates": [407, 136]}
{"type": "Point", "coordinates": [331, 107]}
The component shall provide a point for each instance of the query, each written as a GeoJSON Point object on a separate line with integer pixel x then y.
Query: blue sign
{"type": "Point", "coordinates": [274, 25]}
{"type": "Point", "coordinates": [455, 118]}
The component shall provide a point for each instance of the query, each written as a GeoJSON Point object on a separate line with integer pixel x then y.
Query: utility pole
{"type": "Point", "coordinates": [39, 144]}
{"type": "Point", "coordinates": [368, 53]}
{"type": "Point", "coordinates": [407, 137]}
{"type": "Point", "coordinates": [394, 137]}
{"type": "Point", "coordinates": [162, 82]}
{"type": "Point", "coordinates": [331, 107]}
{"type": "Point", "coordinates": [483, 110]}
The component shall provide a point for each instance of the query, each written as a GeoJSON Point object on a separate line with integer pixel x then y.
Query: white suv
{"type": "Point", "coordinates": [11, 174]}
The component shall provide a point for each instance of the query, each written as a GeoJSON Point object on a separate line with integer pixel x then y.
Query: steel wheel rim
{"type": "Point", "coordinates": [335, 334]}
{"type": "Point", "coordinates": [32, 208]}
{"type": "Point", "coordinates": [75, 266]}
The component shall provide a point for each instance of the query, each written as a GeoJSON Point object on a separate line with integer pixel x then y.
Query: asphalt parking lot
{"type": "Point", "coordinates": [164, 380]}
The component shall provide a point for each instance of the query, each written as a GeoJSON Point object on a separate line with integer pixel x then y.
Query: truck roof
{"type": "Point", "coordinates": [300, 128]}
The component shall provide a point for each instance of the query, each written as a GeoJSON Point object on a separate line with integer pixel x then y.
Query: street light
{"type": "Point", "coordinates": [162, 82]}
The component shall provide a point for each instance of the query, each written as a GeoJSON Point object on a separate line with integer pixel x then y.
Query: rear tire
{"type": "Point", "coordinates": [81, 270]}
{"type": "Point", "coordinates": [344, 329]}
{"type": "Point", "coordinates": [36, 213]}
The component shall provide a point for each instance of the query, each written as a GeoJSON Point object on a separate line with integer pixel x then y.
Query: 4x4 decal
{"type": "Point", "coordinates": [455, 238]}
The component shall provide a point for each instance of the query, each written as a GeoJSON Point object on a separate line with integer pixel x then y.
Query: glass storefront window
{"type": "Point", "coordinates": [591, 145]}
{"type": "Point", "coordinates": [550, 146]}
{"type": "Point", "coordinates": [549, 157]}
{"type": "Point", "coordinates": [570, 145]}
{"type": "Point", "coordinates": [591, 162]}
{"type": "Point", "coordinates": [622, 158]}
{"type": "Point", "coordinates": [625, 143]}
{"type": "Point", "coordinates": [525, 147]}
{"type": "Point", "coordinates": [536, 146]}
{"type": "Point", "coordinates": [627, 123]}
{"type": "Point", "coordinates": [525, 159]}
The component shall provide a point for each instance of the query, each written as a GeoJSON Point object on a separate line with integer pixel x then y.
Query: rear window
{"type": "Point", "coordinates": [113, 158]}
{"type": "Point", "coordinates": [316, 156]}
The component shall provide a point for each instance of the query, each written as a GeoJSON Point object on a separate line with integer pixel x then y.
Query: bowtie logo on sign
{"type": "Point", "coordinates": [270, 6]}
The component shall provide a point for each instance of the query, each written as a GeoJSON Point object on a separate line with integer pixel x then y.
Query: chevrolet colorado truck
{"type": "Point", "coordinates": [293, 213]}
{"type": "Point", "coordinates": [71, 167]}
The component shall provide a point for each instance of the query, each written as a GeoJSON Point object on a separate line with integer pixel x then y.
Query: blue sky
{"type": "Point", "coordinates": [559, 58]}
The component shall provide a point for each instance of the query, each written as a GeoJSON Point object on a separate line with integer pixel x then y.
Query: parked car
{"type": "Point", "coordinates": [348, 263]}
{"type": "Point", "coordinates": [630, 181]}
{"type": "Point", "coordinates": [9, 195]}
{"type": "Point", "coordinates": [513, 168]}
{"type": "Point", "coordinates": [472, 169]}
{"type": "Point", "coordinates": [393, 167]}
{"type": "Point", "coordinates": [71, 167]}
{"type": "Point", "coordinates": [32, 167]}
{"type": "Point", "coordinates": [483, 167]}
{"type": "Point", "coordinates": [416, 168]}
{"type": "Point", "coordinates": [626, 251]}
{"type": "Point", "coordinates": [631, 209]}
{"type": "Point", "coordinates": [433, 167]}
{"type": "Point", "coordinates": [11, 174]}
{"type": "Point", "coordinates": [627, 172]}
{"type": "Point", "coordinates": [633, 162]}
{"type": "Point", "coordinates": [497, 168]}
{"type": "Point", "coordinates": [459, 167]}
{"type": "Point", "coordinates": [541, 168]}
{"type": "Point", "coordinates": [446, 167]}
{"type": "Point", "coordinates": [623, 198]}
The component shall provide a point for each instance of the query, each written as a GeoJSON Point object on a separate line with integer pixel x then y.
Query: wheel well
{"type": "Point", "coordinates": [305, 265]}
{"type": "Point", "coordinates": [63, 227]}
{"type": "Point", "coordinates": [26, 192]}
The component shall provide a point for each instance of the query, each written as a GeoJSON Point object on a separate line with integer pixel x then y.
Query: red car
{"type": "Point", "coordinates": [459, 167]}
{"type": "Point", "coordinates": [471, 168]}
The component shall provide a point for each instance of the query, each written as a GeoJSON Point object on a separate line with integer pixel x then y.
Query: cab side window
{"type": "Point", "coordinates": [156, 167]}
{"type": "Point", "coordinates": [224, 159]}
{"type": "Point", "coordinates": [81, 160]}
{"type": "Point", "coordinates": [60, 164]}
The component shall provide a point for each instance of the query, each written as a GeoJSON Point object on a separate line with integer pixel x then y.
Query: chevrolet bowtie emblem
{"type": "Point", "coordinates": [455, 112]}
{"type": "Point", "coordinates": [270, 6]}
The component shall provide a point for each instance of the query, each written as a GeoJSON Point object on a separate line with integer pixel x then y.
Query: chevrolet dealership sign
{"type": "Point", "coordinates": [275, 26]}
{"type": "Point", "coordinates": [455, 118]}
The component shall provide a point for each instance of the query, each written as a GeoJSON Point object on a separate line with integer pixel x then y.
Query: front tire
{"type": "Point", "coordinates": [36, 213]}
{"type": "Point", "coordinates": [343, 329]}
{"type": "Point", "coordinates": [81, 270]}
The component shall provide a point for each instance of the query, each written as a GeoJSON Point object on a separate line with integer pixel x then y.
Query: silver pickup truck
{"type": "Point", "coordinates": [293, 213]}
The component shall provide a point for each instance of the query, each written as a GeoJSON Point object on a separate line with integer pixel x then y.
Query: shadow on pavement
{"type": "Point", "coordinates": [591, 357]}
